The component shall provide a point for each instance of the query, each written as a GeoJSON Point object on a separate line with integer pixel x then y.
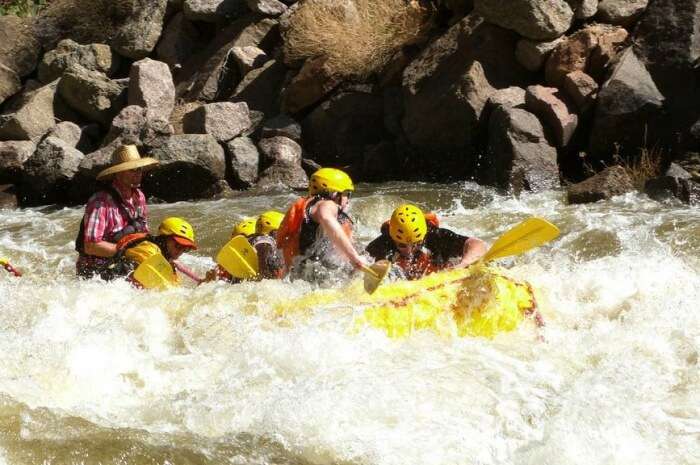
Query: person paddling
{"type": "Point", "coordinates": [416, 244]}
{"type": "Point", "coordinates": [117, 209]}
{"type": "Point", "coordinates": [316, 233]}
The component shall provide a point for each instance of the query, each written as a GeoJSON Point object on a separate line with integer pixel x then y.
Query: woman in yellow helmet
{"type": "Point", "coordinates": [175, 236]}
{"type": "Point", "coordinates": [417, 245]}
{"type": "Point", "coordinates": [318, 225]}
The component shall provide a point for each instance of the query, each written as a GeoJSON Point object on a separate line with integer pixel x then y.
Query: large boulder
{"type": "Point", "coordinates": [243, 162]}
{"type": "Point", "coordinates": [48, 173]}
{"type": "Point", "coordinates": [133, 126]}
{"type": "Point", "coordinates": [628, 107]}
{"type": "Point", "coordinates": [313, 82]}
{"type": "Point", "coordinates": [189, 165]}
{"type": "Point", "coordinates": [533, 54]}
{"type": "Point", "coordinates": [151, 86]}
{"type": "Point", "coordinates": [519, 156]}
{"type": "Point", "coordinates": [139, 33]}
{"type": "Point", "coordinates": [248, 58]}
{"type": "Point", "coordinates": [13, 155]}
{"type": "Point", "coordinates": [84, 182]}
{"type": "Point", "coordinates": [534, 19]}
{"type": "Point", "coordinates": [581, 89]}
{"type": "Point", "coordinates": [213, 11]}
{"type": "Point", "coordinates": [583, 9]}
{"type": "Point", "coordinates": [180, 39]}
{"type": "Point", "coordinates": [283, 159]}
{"type": "Point", "coordinates": [608, 183]}
{"type": "Point", "coordinates": [68, 132]}
{"type": "Point", "coordinates": [267, 7]}
{"type": "Point", "coordinates": [223, 120]}
{"type": "Point", "coordinates": [622, 12]}
{"type": "Point", "coordinates": [34, 116]}
{"type": "Point", "coordinates": [340, 129]}
{"type": "Point", "coordinates": [95, 57]}
{"type": "Point", "coordinates": [260, 89]}
{"type": "Point", "coordinates": [676, 182]}
{"type": "Point", "coordinates": [282, 125]}
{"type": "Point", "coordinates": [211, 74]}
{"type": "Point", "coordinates": [19, 48]}
{"type": "Point", "coordinates": [9, 83]}
{"type": "Point", "coordinates": [446, 87]}
{"type": "Point", "coordinates": [92, 94]}
{"type": "Point", "coordinates": [548, 104]}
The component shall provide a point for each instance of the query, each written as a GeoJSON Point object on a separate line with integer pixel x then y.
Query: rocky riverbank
{"type": "Point", "coordinates": [520, 94]}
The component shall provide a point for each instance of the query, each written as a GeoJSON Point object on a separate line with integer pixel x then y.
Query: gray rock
{"type": "Point", "coordinates": [509, 97]}
{"type": "Point", "coordinates": [676, 182]}
{"type": "Point", "coordinates": [548, 105]}
{"type": "Point", "coordinates": [13, 154]}
{"type": "Point", "coordinates": [19, 48]}
{"type": "Point", "coordinates": [283, 157]}
{"type": "Point", "coordinates": [534, 19]}
{"type": "Point", "coordinates": [95, 57]}
{"type": "Point", "coordinates": [68, 132]}
{"type": "Point", "coordinates": [608, 183]}
{"type": "Point", "coordinates": [189, 165]}
{"type": "Point", "coordinates": [223, 120]}
{"type": "Point", "coordinates": [33, 118]}
{"type": "Point", "coordinates": [267, 7]}
{"type": "Point", "coordinates": [84, 183]}
{"type": "Point", "coordinates": [133, 126]}
{"type": "Point", "coordinates": [179, 40]}
{"type": "Point", "coordinates": [48, 172]}
{"type": "Point", "coordinates": [243, 161]}
{"type": "Point", "coordinates": [627, 105]}
{"type": "Point", "coordinates": [8, 197]}
{"type": "Point", "coordinates": [446, 87]}
{"type": "Point", "coordinates": [533, 54]}
{"type": "Point", "coordinates": [583, 9]}
{"type": "Point", "coordinates": [9, 83]}
{"type": "Point", "coordinates": [261, 87]}
{"type": "Point", "coordinates": [92, 94]}
{"type": "Point", "coordinates": [213, 11]}
{"type": "Point", "coordinates": [621, 12]}
{"type": "Point", "coordinates": [138, 35]}
{"type": "Point", "coordinates": [151, 86]}
{"type": "Point", "coordinates": [314, 81]}
{"type": "Point", "coordinates": [519, 156]}
{"type": "Point", "coordinates": [248, 58]}
{"type": "Point", "coordinates": [581, 88]}
{"type": "Point", "coordinates": [282, 125]}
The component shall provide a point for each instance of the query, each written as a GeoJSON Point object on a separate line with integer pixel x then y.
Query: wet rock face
{"type": "Point", "coordinates": [604, 185]}
{"type": "Point", "coordinates": [676, 182]}
{"type": "Point", "coordinates": [534, 19]}
{"type": "Point", "coordinates": [48, 172]}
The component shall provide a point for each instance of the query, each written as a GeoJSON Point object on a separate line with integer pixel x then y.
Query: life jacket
{"type": "Point", "coordinates": [134, 224]}
{"type": "Point", "coordinates": [298, 230]}
{"type": "Point", "coordinates": [421, 263]}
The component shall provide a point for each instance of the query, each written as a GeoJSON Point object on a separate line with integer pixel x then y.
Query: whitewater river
{"type": "Point", "coordinates": [95, 373]}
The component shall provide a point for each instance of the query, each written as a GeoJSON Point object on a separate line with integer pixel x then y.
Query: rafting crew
{"type": "Point", "coordinates": [316, 234]}
{"type": "Point", "coordinates": [416, 244]}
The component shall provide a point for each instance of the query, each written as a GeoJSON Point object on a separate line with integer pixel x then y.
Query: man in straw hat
{"type": "Point", "coordinates": [117, 209]}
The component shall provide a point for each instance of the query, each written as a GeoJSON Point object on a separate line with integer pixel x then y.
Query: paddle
{"type": "Point", "coordinates": [239, 258]}
{"type": "Point", "coordinates": [375, 274]}
{"type": "Point", "coordinates": [531, 233]}
{"type": "Point", "coordinates": [6, 264]}
{"type": "Point", "coordinates": [155, 273]}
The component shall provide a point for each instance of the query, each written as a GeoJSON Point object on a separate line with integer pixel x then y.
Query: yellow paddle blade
{"type": "Point", "coordinates": [3, 261]}
{"type": "Point", "coordinates": [155, 273]}
{"type": "Point", "coordinates": [239, 258]}
{"type": "Point", "coordinates": [374, 275]}
{"type": "Point", "coordinates": [527, 235]}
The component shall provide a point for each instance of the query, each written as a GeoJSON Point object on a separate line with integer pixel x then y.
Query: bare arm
{"type": "Point", "coordinates": [187, 272]}
{"type": "Point", "coordinates": [101, 249]}
{"type": "Point", "coordinates": [474, 249]}
{"type": "Point", "coordinates": [326, 214]}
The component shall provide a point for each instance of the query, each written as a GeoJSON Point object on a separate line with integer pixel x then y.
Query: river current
{"type": "Point", "coordinates": [94, 373]}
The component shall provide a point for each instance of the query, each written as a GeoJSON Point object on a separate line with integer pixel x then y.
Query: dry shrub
{"type": "Point", "coordinates": [648, 164]}
{"type": "Point", "coordinates": [357, 37]}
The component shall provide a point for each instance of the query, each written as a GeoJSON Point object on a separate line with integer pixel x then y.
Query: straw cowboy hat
{"type": "Point", "coordinates": [126, 158]}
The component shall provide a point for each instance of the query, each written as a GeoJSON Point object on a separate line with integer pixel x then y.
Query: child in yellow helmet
{"type": "Point", "coordinates": [416, 244]}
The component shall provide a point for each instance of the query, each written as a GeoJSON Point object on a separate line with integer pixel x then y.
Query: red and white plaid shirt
{"type": "Point", "coordinates": [103, 217]}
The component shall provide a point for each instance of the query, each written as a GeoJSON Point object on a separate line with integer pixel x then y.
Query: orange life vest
{"type": "Point", "coordinates": [288, 235]}
{"type": "Point", "coordinates": [128, 240]}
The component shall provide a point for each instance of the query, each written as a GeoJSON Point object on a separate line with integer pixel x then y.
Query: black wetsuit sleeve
{"type": "Point", "coordinates": [381, 248]}
{"type": "Point", "coordinates": [445, 244]}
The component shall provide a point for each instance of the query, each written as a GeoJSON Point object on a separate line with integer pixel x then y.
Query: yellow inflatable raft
{"type": "Point", "coordinates": [479, 301]}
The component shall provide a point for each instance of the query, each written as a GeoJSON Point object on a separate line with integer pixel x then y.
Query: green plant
{"type": "Point", "coordinates": [21, 7]}
{"type": "Point", "coordinates": [357, 37]}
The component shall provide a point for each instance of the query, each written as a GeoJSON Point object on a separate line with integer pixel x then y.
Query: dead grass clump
{"type": "Point", "coordinates": [648, 164]}
{"type": "Point", "coordinates": [357, 37]}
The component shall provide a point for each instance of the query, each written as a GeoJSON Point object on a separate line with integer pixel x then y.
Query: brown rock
{"type": "Point", "coordinates": [8, 196]}
{"type": "Point", "coordinates": [9, 83]}
{"type": "Point", "coordinates": [546, 103]}
{"type": "Point", "coordinates": [179, 40]}
{"type": "Point", "coordinates": [283, 156]}
{"type": "Point", "coordinates": [223, 120]}
{"type": "Point", "coordinates": [13, 155]}
{"type": "Point", "coordinates": [95, 57]}
{"type": "Point", "coordinates": [533, 54]}
{"type": "Point", "coordinates": [92, 94]}
{"type": "Point", "coordinates": [314, 81]}
{"type": "Point", "coordinates": [261, 88]}
{"type": "Point", "coordinates": [33, 118]}
{"type": "Point", "coordinates": [19, 48]}
{"type": "Point", "coordinates": [608, 183]}
{"type": "Point", "coordinates": [581, 88]}
{"type": "Point", "coordinates": [151, 86]}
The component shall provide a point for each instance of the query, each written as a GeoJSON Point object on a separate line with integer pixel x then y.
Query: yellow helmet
{"type": "Point", "coordinates": [142, 251]}
{"type": "Point", "coordinates": [327, 180]}
{"type": "Point", "coordinates": [180, 230]}
{"type": "Point", "coordinates": [246, 227]}
{"type": "Point", "coordinates": [408, 225]}
{"type": "Point", "coordinates": [268, 222]}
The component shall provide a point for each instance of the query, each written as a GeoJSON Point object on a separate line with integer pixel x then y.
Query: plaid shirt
{"type": "Point", "coordinates": [104, 219]}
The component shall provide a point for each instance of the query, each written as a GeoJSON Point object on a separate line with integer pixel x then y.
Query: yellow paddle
{"type": "Point", "coordinates": [155, 273]}
{"type": "Point", "coordinates": [531, 233]}
{"type": "Point", "coordinates": [375, 274]}
{"type": "Point", "coordinates": [239, 258]}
